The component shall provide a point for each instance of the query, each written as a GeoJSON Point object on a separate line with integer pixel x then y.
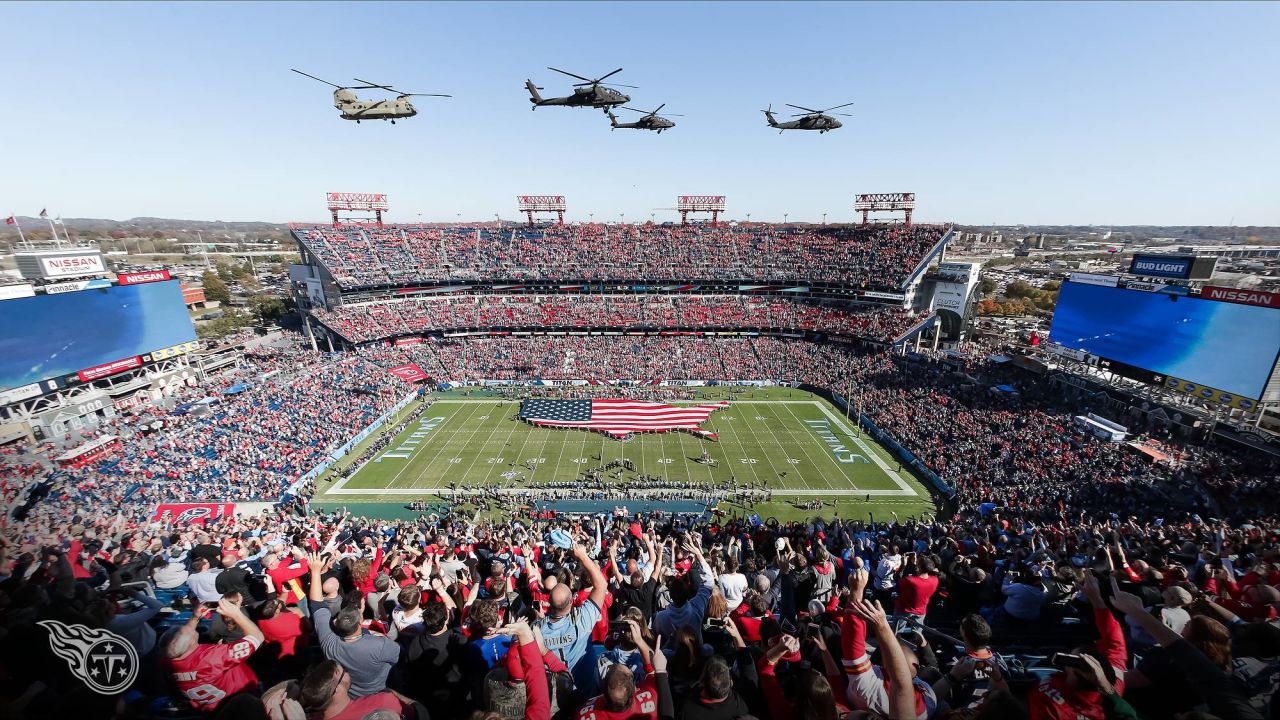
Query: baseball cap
{"type": "Point", "coordinates": [636, 531]}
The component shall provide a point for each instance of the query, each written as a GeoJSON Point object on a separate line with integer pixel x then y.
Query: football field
{"type": "Point", "coordinates": [793, 443]}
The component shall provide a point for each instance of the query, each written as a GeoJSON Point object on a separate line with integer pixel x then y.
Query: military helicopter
{"type": "Point", "coordinates": [810, 119]}
{"type": "Point", "coordinates": [585, 94]}
{"type": "Point", "coordinates": [650, 121]}
{"type": "Point", "coordinates": [353, 108]}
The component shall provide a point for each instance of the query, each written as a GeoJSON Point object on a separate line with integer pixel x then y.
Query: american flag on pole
{"type": "Point", "coordinates": [619, 418]}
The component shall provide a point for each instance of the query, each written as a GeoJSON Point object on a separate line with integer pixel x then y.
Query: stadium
{"type": "Point", "coordinates": [889, 467]}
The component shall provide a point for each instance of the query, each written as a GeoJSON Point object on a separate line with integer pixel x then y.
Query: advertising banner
{"type": "Point", "coordinates": [1091, 279]}
{"type": "Point", "coordinates": [409, 373]}
{"type": "Point", "coordinates": [17, 394]}
{"type": "Point", "coordinates": [9, 292]}
{"type": "Point", "coordinates": [186, 513]}
{"type": "Point", "coordinates": [142, 277]}
{"type": "Point", "coordinates": [1209, 394]}
{"type": "Point", "coordinates": [75, 286]}
{"type": "Point", "coordinates": [175, 351]}
{"type": "Point", "coordinates": [111, 368]}
{"type": "Point", "coordinates": [883, 296]}
{"type": "Point", "coordinates": [1165, 266]}
{"type": "Point", "coordinates": [71, 265]}
{"type": "Point", "coordinates": [401, 342]}
{"type": "Point", "coordinates": [1260, 298]}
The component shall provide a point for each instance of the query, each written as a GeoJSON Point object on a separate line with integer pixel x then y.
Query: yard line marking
{"type": "Point", "coordinates": [482, 444]}
{"type": "Point", "coordinates": [424, 467]}
{"type": "Point", "coordinates": [903, 487]}
{"type": "Point", "coordinates": [817, 466]}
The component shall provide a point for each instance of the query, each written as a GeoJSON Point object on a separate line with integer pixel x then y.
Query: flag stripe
{"type": "Point", "coordinates": [618, 417]}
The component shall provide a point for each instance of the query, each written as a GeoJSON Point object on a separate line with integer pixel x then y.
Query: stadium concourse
{"type": "Point", "coordinates": [1157, 583]}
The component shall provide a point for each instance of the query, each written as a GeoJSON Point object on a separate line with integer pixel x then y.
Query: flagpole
{"type": "Point", "coordinates": [21, 238]}
{"type": "Point", "coordinates": [57, 240]}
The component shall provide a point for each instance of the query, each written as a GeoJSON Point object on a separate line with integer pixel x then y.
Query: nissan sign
{"type": "Point", "coordinates": [1241, 296]}
{"type": "Point", "coordinates": [142, 277]}
{"type": "Point", "coordinates": [71, 265]}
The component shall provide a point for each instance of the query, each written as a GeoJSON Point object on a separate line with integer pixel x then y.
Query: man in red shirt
{"type": "Point", "coordinates": [622, 700]}
{"type": "Point", "coordinates": [286, 575]}
{"type": "Point", "coordinates": [918, 584]}
{"type": "Point", "coordinates": [208, 674]}
{"type": "Point", "coordinates": [1077, 693]}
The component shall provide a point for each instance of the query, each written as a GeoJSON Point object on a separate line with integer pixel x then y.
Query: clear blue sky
{"type": "Point", "coordinates": [1036, 113]}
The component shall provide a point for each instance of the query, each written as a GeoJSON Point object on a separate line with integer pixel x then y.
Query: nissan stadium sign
{"type": "Point", "coordinates": [71, 265]}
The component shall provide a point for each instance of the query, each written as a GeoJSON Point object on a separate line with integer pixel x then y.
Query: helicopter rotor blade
{"type": "Point", "coordinates": [843, 114]}
{"type": "Point", "coordinates": [808, 110]}
{"type": "Point", "coordinates": [655, 112]}
{"type": "Point", "coordinates": [837, 107]}
{"type": "Point", "coordinates": [424, 95]}
{"type": "Point", "coordinates": [615, 72]}
{"type": "Point", "coordinates": [376, 85]}
{"type": "Point", "coordinates": [562, 72]}
{"type": "Point", "coordinates": [618, 85]}
{"type": "Point", "coordinates": [313, 77]}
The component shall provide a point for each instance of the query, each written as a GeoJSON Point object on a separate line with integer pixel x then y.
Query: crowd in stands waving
{"type": "Point", "coordinates": [370, 256]}
{"type": "Point", "coordinates": [374, 321]}
{"type": "Point", "coordinates": [1069, 579]}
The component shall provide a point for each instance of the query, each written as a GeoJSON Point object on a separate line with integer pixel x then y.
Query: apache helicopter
{"type": "Point", "coordinates": [810, 119]}
{"type": "Point", "coordinates": [585, 94]}
{"type": "Point", "coordinates": [353, 108]}
{"type": "Point", "coordinates": [650, 121]}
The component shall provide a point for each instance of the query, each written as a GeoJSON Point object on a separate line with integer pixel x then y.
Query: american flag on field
{"type": "Point", "coordinates": [619, 418]}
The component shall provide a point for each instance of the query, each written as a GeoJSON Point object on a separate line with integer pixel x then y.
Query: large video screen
{"type": "Point", "coordinates": [49, 336]}
{"type": "Point", "coordinates": [1217, 344]}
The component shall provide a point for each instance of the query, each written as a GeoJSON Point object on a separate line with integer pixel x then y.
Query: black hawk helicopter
{"type": "Point", "coordinates": [353, 108]}
{"type": "Point", "coordinates": [590, 93]}
{"type": "Point", "coordinates": [810, 119]}
{"type": "Point", "coordinates": [650, 121]}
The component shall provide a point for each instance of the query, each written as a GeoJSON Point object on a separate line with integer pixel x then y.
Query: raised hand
{"type": "Point", "coordinates": [870, 611]}
{"type": "Point", "coordinates": [659, 658]}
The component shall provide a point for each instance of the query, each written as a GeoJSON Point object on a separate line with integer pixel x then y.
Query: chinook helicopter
{"type": "Point", "coordinates": [590, 93]}
{"type": "Point", "coordinates": [353, 108]}
{"type": "Point", "coordinates": [810, 119]}
{"type": "Point", "coordinates": [650, 121]}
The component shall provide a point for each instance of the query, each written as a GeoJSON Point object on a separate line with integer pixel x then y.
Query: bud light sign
{"type": "Point", "coordinates": [1164, 266]}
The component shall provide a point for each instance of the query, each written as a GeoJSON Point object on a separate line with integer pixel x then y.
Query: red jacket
{"type": "Point", "coordinates": [1054, 699]}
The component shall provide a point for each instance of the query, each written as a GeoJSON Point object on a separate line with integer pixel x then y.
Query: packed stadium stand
{"type": "Point", "coordinates": [1157, 582]}
{"type": "Point", "coordinates": [875, 255]}
{"type": "Point", "coordinates": [362, 323]}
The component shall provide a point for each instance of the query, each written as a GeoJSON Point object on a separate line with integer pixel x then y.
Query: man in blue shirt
{"type": "Point", "coordinates": [566, 630]}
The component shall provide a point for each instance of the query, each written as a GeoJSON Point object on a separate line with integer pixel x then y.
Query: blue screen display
{"type": "Point", "coordinates": [49, 336]}
{"type": "Point", "coordinates": [1221, 345]}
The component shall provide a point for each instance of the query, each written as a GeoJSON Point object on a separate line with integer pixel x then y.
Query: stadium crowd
{"type": "Point", "coordinates": [363, 323]}
{"type": "Point", "coordinates": [885, 255]}
{"type": "Point", "coordinates": [1068, 579]}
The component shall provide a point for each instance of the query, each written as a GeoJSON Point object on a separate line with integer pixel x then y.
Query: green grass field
{"type": "Point", "coordinates": [796, 443]}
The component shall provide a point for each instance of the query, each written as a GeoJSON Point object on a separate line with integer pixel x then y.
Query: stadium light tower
{"type": "Point", "coordinates": [748, 217]}
{"type": "Point", "coordinates": [624, 218]}
{"type": "Point", "coordinates": [784, 217]}
{"type": "Point", "coordinates": [824, 218]}
{"type": "Point", "coordinates": [591, 218]}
